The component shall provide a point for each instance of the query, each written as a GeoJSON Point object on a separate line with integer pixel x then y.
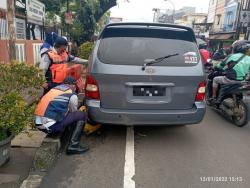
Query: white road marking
{"type": "Point", "coordinates": [129, 167]}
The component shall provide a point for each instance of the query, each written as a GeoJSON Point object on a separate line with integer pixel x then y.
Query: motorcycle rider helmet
{"type": "Point", "coordinates": [203, 46]}
{"type": "Point", "coordinates": [241, 46]}
{"type": "Point", "coordinates": [218, 55]}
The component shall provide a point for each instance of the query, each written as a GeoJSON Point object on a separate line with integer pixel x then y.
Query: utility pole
{"type": "Point", "coordinates": [11, 29]}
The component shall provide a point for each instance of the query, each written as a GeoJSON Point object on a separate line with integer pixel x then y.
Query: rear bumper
{"type": "Point", "coordinates": [145, 117]}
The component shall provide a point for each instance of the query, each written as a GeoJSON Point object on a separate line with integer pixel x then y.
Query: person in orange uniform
{"type": "Point", "coordinates": [57, 110]}
{"type": "Point", "coordinates": [54, 63]}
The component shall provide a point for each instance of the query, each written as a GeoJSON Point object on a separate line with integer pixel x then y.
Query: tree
{"type": "Point", "coordinates": [104, 6]}
{"type": "Point", "coordinates": [53, 5]}
{"type": "Point", "coordinates": [91, 11]}
{"type": "Point", "coordinates": [11, 29]}
{"type": "Point", "coordinates": [87, 13]}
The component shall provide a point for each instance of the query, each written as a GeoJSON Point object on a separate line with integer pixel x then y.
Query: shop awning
{"type": "Point", "coordinates": [200, 41]}
{"type": "Point", "coordinates": [221, 36]}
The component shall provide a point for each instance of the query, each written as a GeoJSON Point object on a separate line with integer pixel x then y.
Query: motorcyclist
{"type": "Point", "coordinates": [205, 54]}
{"type": "Point", "coordinates": [235, 68]}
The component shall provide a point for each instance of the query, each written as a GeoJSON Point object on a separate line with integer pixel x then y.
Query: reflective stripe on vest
{"type": "Point", "coordinates": [59, 66]}
{"type": "Point", "coordinates": [54, 104]}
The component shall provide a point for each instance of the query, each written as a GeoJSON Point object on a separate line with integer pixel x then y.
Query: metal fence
{"type": "Point", "coordinates": [3, 29]}
{"type": "Point", "coordinates": [20, 52]}
{"type": "Point", "coordinates": [36, 53]}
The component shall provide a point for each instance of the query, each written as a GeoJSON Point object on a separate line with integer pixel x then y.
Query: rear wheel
{"type": "Point", "coordinates": [242, 117]}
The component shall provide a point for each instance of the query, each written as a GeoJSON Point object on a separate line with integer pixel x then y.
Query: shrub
{"type": "Point", "coordinates": [19, 82]}
{"type": "Point", "coordinates": [85, 49]}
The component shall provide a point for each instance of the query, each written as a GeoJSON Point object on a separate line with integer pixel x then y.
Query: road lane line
{"type": "Point", "coordinates": [129, 167]}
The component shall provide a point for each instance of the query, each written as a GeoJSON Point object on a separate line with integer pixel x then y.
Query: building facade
{"type": "Point", "coordinates": [245, 4]}
{"type": "Point", "coordinates": [219, 16]}
{"type": "Point", "coordinates": [231, 15]}
{"type": "Point", "coordinates": [171, 16]}
{"type": "Point", "coordinates": [190, 19]}
{"type": "Point", "coordinates": [211, 11]}
{"type": "Point", "coordinates": [26, 50]}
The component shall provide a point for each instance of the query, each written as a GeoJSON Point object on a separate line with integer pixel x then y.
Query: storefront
{"type": "Point", "coordinates": [221, 40]}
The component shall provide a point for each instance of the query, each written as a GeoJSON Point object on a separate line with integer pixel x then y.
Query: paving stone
{"type": "Point", "coordinates": [32, 139]}
{"type": "Point", "coordinates": [9, 180]}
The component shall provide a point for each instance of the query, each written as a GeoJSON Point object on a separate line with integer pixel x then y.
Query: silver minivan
{"type": "Point", "coordinates": [145, 74]}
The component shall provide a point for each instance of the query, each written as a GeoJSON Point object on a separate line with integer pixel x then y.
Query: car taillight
{"type": "Point", "coordinates": [200, 95]}
{"type": "Point", "coordinates": [91, 88]}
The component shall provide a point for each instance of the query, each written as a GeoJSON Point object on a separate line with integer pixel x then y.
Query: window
{"type": "Point", "coordinates": [3, 29]}
{"type": "Point", "coordinates": [3, 25]}
{"type": "Point", "coordinates": [218, 19]}
{"type": "Point", "coordinates": [132, 46]}
{"type": "Point", "coordinates": [20, 29]}
{"type": "Point", "coordinates": [230, 18]}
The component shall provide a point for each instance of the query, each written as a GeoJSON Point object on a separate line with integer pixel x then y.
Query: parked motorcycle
{"type": "Point", "coordinates": [232, 101]}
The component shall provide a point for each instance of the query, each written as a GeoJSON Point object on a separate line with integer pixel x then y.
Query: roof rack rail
{"type": "Point", "coordinates": [149, 24]}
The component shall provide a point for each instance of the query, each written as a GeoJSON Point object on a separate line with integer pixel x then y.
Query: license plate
{"type": "Point", "coordinates": [150, 91]}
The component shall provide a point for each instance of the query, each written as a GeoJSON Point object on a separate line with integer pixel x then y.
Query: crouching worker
{"type": "Point", "coordinates": [58, 110]}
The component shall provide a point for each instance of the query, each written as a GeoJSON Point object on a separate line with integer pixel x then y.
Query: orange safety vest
{"type": "Point", "coordinates": [54, 104]}
{"type": "Point", "coordinates": [59, 66]}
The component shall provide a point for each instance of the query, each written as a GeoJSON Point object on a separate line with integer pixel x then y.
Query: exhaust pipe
{"type": "Point", "coordinates": [229, 103]}
{"type": "Point", "coordinates": [226, 110]}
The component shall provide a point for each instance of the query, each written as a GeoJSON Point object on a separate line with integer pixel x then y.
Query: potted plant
{"type": "Point", "coordinates": [20, 85]}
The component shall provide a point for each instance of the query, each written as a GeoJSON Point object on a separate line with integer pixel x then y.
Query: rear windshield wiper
{"type": "Point", "coordinates": [157, 60]}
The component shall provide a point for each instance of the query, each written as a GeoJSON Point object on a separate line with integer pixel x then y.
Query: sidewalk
{"type": "Point", "coordinates": [23, 150]}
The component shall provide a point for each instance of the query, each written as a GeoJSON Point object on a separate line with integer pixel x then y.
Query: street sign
{"type": "Point", "coordinates": [242, 37]}
{"type": "Point", "coordinates": [245, 17]}
{"type": "Point", "coordinates": [20, 29]}
{"type": "Point", "coordinates": [35, 12]}
{"type": "Point", "coordinates": [68, 18]}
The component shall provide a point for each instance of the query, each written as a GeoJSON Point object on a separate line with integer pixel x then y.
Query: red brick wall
{"type": "Point", "coordinates": [28, 50]}
{"type": "Point", "coordinates": [4, 56]}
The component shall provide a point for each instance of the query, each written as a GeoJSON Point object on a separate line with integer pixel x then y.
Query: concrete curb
{"type": "Point", "coordinates": [46, 154]}
{"type": "Point", "coordinates": [44, 159]}
{"type": "Point", "coordinates": [33, 181]}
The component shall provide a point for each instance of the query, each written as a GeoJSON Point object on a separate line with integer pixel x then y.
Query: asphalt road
{"type": "Point", "coordinates": [213, 154]}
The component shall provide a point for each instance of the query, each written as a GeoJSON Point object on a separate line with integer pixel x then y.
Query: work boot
{"type": "Point", "coordinates": [74, 145]}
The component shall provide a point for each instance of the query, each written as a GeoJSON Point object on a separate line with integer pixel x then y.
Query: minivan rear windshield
{"type": "Point", "coordinates": [132, 46]}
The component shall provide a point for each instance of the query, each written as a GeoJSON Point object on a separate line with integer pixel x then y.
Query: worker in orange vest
{"type": "Point", "coordinates": [54, 63]}
{"type": "Point", "coordinates": [58, 110]}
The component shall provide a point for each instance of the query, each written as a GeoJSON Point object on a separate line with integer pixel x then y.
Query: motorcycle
{"type": "Point", "coordinates": [232, 101]}
{"type": "Point", "coordinates": [208, 66]}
